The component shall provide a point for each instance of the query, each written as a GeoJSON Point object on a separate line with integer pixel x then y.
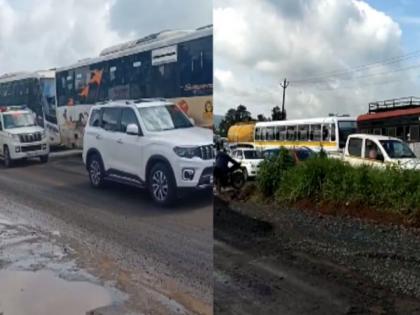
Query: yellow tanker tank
{"type": "Point", "coordinates": [242, 132]}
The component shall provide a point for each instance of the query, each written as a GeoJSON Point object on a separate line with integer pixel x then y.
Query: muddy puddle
{"type": "Point", "coordinates": [43, 293]}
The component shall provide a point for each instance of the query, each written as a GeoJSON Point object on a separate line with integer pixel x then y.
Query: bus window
{"type": "Point", "coordinates": [392, 132]}
{"type": "Point", "coordinates": [326, 133]}
{"type": "Point", "coordinates": [282, 133]}
{"type": "Point", "coordinates": [257, 134]}
{"type": "Point", "coordinates": [277, 133]}
{"type": "Point", "coordinates": [291, 133]}
{"type": "Point", "coordinates": [355, 147]}
{"type": "Point", "coordinates": [270, 133]}
{"type": "Point", "coordinates": [414, 133]}
{"type": "Point", "coordinates": [400, 133]}
{"type": "Point", "coordinates": [345, 128]}
{"type": "Point", "coordinates": [332, 132]}
{"type": "Point", "coordinates": [315, 134]}
{"type": "Point", "coordinates": [263, 133]}
{"type": "Point", "coordinates": [303, 132]}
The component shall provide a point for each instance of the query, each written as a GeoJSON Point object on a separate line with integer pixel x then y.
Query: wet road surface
{"type": "Point", "coordinates": [162, 258]}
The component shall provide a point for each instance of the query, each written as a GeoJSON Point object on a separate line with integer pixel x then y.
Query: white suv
{"type": "Point", "coordinates": [20, 137]}
{"type": "Point", "coordinates": [250, 160]}
{"type": "Point", "coordinates": [149, 143]}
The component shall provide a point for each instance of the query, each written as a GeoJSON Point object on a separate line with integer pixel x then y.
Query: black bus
{"type": "Point", "coordinates": [35, 90]}
{"type": "Point", "coordinates": [176, 65]}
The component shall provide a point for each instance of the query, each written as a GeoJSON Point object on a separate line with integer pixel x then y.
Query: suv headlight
{"type": "Point", "coordinates": [14, 137]}
{"type": "Point", "coordinates": [43, 134]}
{"type": "Point", "coordinates": [186, 152]}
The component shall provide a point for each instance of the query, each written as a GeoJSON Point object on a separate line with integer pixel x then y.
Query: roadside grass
{"type": "Point", "coordinates": [322, 180]}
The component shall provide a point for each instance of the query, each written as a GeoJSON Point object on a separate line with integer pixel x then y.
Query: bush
{"type": "Point", "coordinates": [334, 181]}
{"type": "Point", "coordinates": [270, 174]}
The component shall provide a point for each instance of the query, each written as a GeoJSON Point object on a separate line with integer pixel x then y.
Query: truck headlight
{"type": "Point", "coordinates": [186, 152]}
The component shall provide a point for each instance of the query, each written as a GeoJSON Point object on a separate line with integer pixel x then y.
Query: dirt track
{"type": "Point", "coordinates": [295, 262]}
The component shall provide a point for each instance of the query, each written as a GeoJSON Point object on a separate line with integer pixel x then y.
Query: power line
{"type": "Point", "coordinates": [378, 74]}
{"type": "Point", "coordinates": [341, 72]}
{"type": "Point", "coordinates": [354, 86]}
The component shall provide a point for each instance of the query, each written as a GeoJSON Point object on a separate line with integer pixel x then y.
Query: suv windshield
{"type": "Point", "coordinates": [18, 120]}
{"type": "Point", "coordinates": [251, 155]}
{"type": "Point", "coordinates": [167, 117]}
{"type": "Point", "coordinates": [345, 128]}
{"type": "Point", "coordinates": [397, 149]}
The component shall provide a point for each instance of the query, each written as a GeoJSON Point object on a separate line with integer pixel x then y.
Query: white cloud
{"type": "Point", "coordinates": [40, 34]}
{"type": "Point", "coordinates": [261, 42]}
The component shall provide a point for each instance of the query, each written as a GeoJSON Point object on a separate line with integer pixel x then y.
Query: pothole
{"type": "Point", "coordinates": [43, 293]}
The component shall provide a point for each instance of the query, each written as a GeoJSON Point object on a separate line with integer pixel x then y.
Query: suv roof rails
{"type": "Point", "coordinates": [5, 108]}
{"type": "Point", "coordinates": [145, 100]}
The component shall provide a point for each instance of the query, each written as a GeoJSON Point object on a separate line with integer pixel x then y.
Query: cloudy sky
{"type": "Point", "coordinates": [38, 34]}
{"type": "Point", "coordinates": [337, 54]}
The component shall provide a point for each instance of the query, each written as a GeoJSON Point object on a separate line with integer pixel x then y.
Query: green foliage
{"type": "Point", "coordinates": [233, 116]}
{"type": "Point", "coordinates": [334, 181]}
{"type": "Point", "coordinates": [271, 172]}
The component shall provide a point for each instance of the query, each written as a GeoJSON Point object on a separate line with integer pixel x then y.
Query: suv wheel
{"type": "Point", "coordinates": [8, 162]}
{"type": "Point", "coordinates": [44, 158]}
{"type": "Point", "coordinates": [96, 171]}
{"type": "Point", "coordinates": [162, 185]}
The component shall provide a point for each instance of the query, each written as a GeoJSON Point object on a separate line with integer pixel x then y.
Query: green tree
{"type": "Point", "coordinates": [277, 114]}
{"type": "Point", "coordinates": [233, 116]}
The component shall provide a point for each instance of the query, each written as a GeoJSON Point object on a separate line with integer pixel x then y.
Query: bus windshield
{"type": "Point", "coordinates": [397, 149]}
{"type": "Point", "coordinates": [18, 120]}
{"type": "Point", "coordinates": [167, 117]}
{"type": "Point", "coordinates": [345, 128]}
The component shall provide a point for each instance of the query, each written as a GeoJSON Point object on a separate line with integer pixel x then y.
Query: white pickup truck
{"type": "Point", "coordinates": [379, 151]}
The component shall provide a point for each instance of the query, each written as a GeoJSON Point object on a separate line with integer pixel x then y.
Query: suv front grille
{"type": "Point", "coordinates": [207, 152]}
{"type": "Point", "coordinates": [30, 137]}
{"type": "Point", "coordinates": [30, 148]}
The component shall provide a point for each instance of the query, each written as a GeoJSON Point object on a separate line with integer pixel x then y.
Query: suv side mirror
{"type": "Point", "coordinates": [132, 129]}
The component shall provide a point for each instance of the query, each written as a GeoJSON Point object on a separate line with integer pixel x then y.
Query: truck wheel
{"type": "Point", "coordinates": [245, 171]}
{"type": "Point", "coordinates": [44, 158]}
{"type": "Point", "coordinates": [161, 184]}
{"type": "Point", "coordinates": [8, 162]}
{"type": "Point", "coordinates": [96, 171]}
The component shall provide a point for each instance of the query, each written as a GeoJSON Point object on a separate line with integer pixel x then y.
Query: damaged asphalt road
{"type": "Point", "coordinates": [160, 258]}
{"type": "Point", "coordinates": [294, 262]}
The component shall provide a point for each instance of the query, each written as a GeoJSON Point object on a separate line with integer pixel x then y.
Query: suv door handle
{"type": "Point", "coordinates": [119, 141]}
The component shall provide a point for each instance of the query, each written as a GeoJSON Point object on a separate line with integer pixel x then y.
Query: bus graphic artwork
{"type": "Point", "coordinates": [176, 65]}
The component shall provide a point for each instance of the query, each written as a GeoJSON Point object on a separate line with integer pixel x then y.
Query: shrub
{"type": "Point", "coordinates": [271, 171]}
{"type": "Point", "coordinates": [334, 181]}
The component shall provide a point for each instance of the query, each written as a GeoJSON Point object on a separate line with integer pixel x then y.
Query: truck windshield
{"type": "Point", "coordinates": [167, 117]}
{"type": "Point", "coordinates": [18, 120]}
{"type": "Point", "coordinates": [345, 128]}
{"type": "Point", "coordinates": [397, 149]}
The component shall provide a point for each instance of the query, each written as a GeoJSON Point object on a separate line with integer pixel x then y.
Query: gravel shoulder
{"type": "Point", "coordinates": [299, 262]}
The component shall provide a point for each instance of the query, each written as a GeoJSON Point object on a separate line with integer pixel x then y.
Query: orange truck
{"type": "Point", "coordinates": [241, 133]}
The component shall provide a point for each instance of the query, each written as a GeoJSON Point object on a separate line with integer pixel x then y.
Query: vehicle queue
{"type": "Point", "coordinates": [387, 135]}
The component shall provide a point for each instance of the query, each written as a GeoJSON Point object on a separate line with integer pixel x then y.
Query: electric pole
{"type": "Point", "coordinates": [284, 85]}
